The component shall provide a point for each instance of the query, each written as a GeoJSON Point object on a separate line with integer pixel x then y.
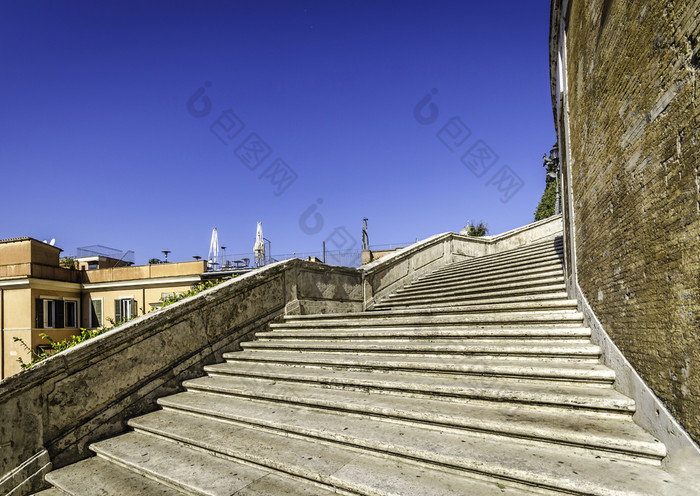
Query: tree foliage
{"type": "Point", "coordinates": [545, 208]}
{"type": "Point", "coordinates": [547, 202]}
{"type": "Point", "coordinates": [67, 262]}
{"type": "Point", "coordinates": [479, 229]}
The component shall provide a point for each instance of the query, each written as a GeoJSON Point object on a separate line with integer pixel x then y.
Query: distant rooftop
{"type": "Point", "coordinates": [27, 238]}
{"type": "Point", "coordinates": [106, 251]}
{"type": "Point", "coordinates": [14, 240]}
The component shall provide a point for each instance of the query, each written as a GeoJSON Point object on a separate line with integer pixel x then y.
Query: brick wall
{"type": "Point", "coordinates": [632, 74]}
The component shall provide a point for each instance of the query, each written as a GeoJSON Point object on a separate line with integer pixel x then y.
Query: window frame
{"type": "Point", "coordinates": [49, 313]}
{"type": "Point", "coordinates": [120, 305]}
{"type": "Point", "coordinates": [76, 312]}
{"type": "Point", "coordinates": [93, 314]}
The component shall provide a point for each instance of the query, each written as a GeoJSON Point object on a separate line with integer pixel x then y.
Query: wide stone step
{"type": "Point", "coordinates": [474, 263]}
{"type": "Point", "coordinates": [551, 467]}
{"type": "Point", "coordinates": [534, 248]}
{"type": "Point", "coordinates": [543, 300]}
{"type": "Point", "coordinates": [508, 295]}
{"type": "Point", "coordinates": [472, 307]}
{"type": "Point", "coordinates": [196, 472]}
{"type": "Point", "coordinates": [473, 288]}
{"type": "Point", "coordinates": [600, 432]}
{"type": "Point", "coordinates": [546, 296]}
{"type": "Point", "coordinates": [555, 369]}
{"type": "Point", "coordinates": [512, 347]}
{"type": "Point", "coordinates": [339, 467]}
{"type": "Point", "coordinates": [530, 286]}
{"type": "Point", "coordinates": [488, 262]}
{"type": "Point", "coordinates": [433, 332]}
{"type": "Point", "coordinates": [423, 317]}
{"type": "Point", "coordinates": [97, 476]}
{"type": "Point", "coordinates": [539, 392]}
{"type": "Point", "coordinates": [484, 280]}
{"type": "Point", "coordinates": [481, 268]}
{"type": "Point", "coordinates": [491, 276]}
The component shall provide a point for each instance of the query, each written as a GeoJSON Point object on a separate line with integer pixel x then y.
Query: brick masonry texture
{"type": "Point", "coordinates": [634, 133]}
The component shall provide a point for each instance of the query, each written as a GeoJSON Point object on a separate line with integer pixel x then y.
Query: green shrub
{"type": "Point", "coordinates": [474, 229]}
{"type": "Point", "coordinates": [57, 346]}
{"type": "Point", "coordinates": [195, 289]}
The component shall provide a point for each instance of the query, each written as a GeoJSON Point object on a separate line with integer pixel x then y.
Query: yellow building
{"type": "Point", "coordinates": [38, 296]}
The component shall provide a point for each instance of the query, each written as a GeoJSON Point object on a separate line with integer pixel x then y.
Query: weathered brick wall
{"type": "Point", "coordinates": [634, 132]}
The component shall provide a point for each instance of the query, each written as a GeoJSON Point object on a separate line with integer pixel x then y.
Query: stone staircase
{"type": "Point", "coordinates": [479, 378]}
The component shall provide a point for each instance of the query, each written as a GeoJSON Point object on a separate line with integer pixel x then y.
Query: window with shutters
{"type": "Point", "coordinates": [71, 313]}
{"type": "Point", "coordinates": [39, 313]}
{"type": "Point", "coordinates": [55, 313]}
{"type": "Point", "coordinates": [124, 309]}
{"type": "Point", "coordinates": [49, 313]}
{"type": "Point", "coordinates": [95, 313]}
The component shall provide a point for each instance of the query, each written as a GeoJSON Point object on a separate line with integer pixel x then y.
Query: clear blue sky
{"type": "Point", "coordinates": [143, 125]}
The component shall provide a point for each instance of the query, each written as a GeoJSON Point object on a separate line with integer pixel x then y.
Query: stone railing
{"type": "Point", "coordinates": [384, 276]}
{"type": "Point", "coordinates": [51, 412]}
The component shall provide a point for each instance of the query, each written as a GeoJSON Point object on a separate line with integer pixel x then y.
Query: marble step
{"type": "Point", "coordinates": [611, 434]}
{"type": "Point", "coordinates": [97, 476]}
{"type": "Point", "coordinates": [336, 466]}
{"type": "Point", "coordinates": [551, 467]}
{"type": "Point", "coordinates": [523, 285]}
{"type": "Point", "coordinates": [495, 262]}
{"type": "Point", "coordinates": [424, 317]}
{"type": "Point", "coordinates": [433, 332]}
{"type": "Point", "coordinates": [576, 371]}
{"type": "Point", "coordinates": [459, 302]}
{"type": "Point", "coordinates": [460, 347]}
{"type": "Point", "coordinates": [488, 300]}
{"type": "Point", "coordinates": [454, 386]}
{"type": "Point", "coordinates": [194, 471]}
{"type": "Point", "coordinates": [469, 306]}
{"type": "Point", "coordinates": [461, 279]}
{"type": "Point", "coordinates": [51, 492]}
{"type": "Point", "coordinates": [540, 247]}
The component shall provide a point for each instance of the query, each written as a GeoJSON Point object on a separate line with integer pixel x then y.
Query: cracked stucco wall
{"type": "Point", "coordinates": [635, 152]}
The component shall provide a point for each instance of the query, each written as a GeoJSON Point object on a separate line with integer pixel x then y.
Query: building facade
{"type": "Point", "coordinates": [38, 296]}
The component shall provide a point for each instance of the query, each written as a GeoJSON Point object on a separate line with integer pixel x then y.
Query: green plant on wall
{"type": "Point", "coordinates": [56, 346]}
{"type": "Point", "coordinates": [195, 289]}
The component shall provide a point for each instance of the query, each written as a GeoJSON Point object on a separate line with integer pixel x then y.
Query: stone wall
{"type": "Point", "coordinates": [632, 155]}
